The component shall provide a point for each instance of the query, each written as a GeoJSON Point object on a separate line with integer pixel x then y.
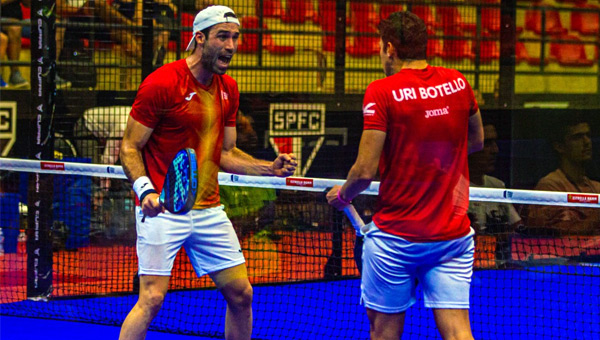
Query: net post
{"type": "Point", "coordinates": [43, 93]}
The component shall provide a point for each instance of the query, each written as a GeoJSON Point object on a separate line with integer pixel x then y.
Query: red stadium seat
{"type": "Point", "coordinates": [25, 42]}
{"type": "Point", "coordinates": [489, 50]}
{"type": "Point", "coordinates": [363, 16]}
{"type": "Point", "coordinates": [490, 19]}
{"type": "Point", "coordinates": [522, 55]}
{"type": "Point", "coordinates": [434, 48]}
{"type": "Point", "coordinates": [297, 11]}
{"type": "Point", "coordinates": [569, 53]}
{"type": "Point", "coordinates": [271, 8]}
{"type": "Point", "coordinates": [326, 19]}
{"type": "Point", "coordinates": [386, 9]}
{"type": "Point", "coordinates": [533, 21]}
{"type": "Point", "coordinates": [450, 20]}
{"type": "Point", "coordinates": [426, 14]}
{"type": "Point", "coordinates": [364, 20]}
{"type": "Point", "coordinates": [249, 41]}
{"type": "Point", "coordinates": [586, 23]}
{"type": "Point", "coordinates": [187, 21]}
{"type": "Point", "coordinates": [456, 49]}
{"type": "Point", "coordinates": [363, 47]}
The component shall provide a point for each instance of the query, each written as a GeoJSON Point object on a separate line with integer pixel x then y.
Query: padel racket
{"type": "Point", "coordinates": [180, 187]}
{"type": "Point", "coordinates": [357, 223]}
{"type": "Point", "coordinates": [354, 218]}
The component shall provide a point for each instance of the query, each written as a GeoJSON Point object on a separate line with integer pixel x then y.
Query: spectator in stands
{"type": "Point", "coordinates": [3, 47]}
{"type": "Point", "coordinates": [492, 218]}
{"type": "Point", "coordinates": [82, 10]}
{"type": "Point", "coordinates": [164, 17]}
{"type": "Point", "coordinates": [489, 217]}
{"type": "Point", "coordinates": [573, 144]}
{"type": "Point", "coordinates": [11, 12]}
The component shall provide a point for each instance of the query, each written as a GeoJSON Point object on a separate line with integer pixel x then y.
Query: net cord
{"type": "Point", "coordinates": [515, 196]}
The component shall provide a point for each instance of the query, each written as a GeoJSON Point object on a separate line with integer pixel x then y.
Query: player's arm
{"type": "Point", "coordinates": [136, 135]}
{"type": "Point", "coordinates": [475, 139]}
{"type": "Point", "coordinates": [362, 172]}
{"type": "Point", "coordinates": [236, 161]}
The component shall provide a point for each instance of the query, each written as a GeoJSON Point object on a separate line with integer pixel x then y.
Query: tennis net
{"type": "Point", "coordinates": [531, 280]}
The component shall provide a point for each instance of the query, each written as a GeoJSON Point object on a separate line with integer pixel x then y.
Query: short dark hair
{"type": "Point", "coordinates": [206, 31]}
{"type": "Point", "coordinates": [407, 33]}
{"type": "Point", "coordinates": [563, 124]}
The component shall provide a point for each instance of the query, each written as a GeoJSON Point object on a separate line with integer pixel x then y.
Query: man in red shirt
{"type": "Point", "coordinates": [191, 103]}
{"type": "Point", "coordinates": [420, 122]}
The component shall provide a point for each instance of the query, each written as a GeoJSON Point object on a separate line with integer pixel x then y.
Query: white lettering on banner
{"type": "Point", "coordinates": [430, 92]}
{"type": "Point", "coordinates": [299, 120]}
{"type": "Point", "coordinates": [437, 112]}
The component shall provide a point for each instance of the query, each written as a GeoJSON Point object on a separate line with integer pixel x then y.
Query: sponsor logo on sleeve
{"type": "Point", "coordinates": [369, 109]}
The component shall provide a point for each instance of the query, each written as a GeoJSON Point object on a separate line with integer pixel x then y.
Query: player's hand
{"type": "Point", "coordinates": [332, 198]}
{"type": "Point", "coordinates": [285, 165]}
{"type": "Point", "coordinates": [151, 206]}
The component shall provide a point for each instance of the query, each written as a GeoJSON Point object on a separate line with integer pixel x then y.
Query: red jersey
{"type": "Point", "coordinates": [424, 191]}
{"type": "Point", "coordinates": [186, 114]}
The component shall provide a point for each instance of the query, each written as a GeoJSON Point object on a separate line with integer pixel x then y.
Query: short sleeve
{"type": "Point", "coordinates": [375, 109]}
{"type": "Point", "coordinates": [148, 104]}
{"type": "Point", "coordinates": [474, 106]}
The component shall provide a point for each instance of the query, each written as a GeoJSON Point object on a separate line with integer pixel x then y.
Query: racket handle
{"type": "Point", "coordinates": [157, 201]}
{"type": "Point", "coordinates": [354, 218]}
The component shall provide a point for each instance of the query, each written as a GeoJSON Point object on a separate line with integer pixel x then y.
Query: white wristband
{"type": "Point", "coordinates": [141, 185]}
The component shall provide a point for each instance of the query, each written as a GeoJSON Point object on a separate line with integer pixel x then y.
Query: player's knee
{"type": "Point", "coordinates": [151, 302]}
{"type": "Point", "coordinates": [240, 298]}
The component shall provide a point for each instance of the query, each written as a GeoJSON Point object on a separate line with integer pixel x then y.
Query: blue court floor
{"type": "Point", "coordinates": [17, 328]}
{"type": "Point", "coordinates": [547, 302]}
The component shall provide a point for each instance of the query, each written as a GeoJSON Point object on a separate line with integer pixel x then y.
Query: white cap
{"type": "Point", "coordinates": [211, 16]}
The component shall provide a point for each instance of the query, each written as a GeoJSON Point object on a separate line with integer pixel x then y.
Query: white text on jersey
{"type": "Point", "coordinates": [437, 112]}
{"type": "Point", "coordinates": [441, 90]}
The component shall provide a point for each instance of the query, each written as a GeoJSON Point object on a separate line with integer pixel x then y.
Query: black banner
{"type": "Point", "coordinates": [43, 57]}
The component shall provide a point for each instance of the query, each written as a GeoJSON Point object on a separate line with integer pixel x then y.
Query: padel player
{"type": "Point", "coordinates": [191, 103]}
{"type": "Point", "coordinates": [420, 122]}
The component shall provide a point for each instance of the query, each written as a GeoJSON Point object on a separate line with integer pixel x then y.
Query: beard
{"type": "Point", "coordinates": [209, 61]}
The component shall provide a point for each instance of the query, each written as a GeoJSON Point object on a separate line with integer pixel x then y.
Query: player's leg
{"type": "Point", "coordinates": [385, 326]}
{"type": "Point", "coordinates": [215, 249]}
{"type": "Point", "coordinates": [158, 241]}
{"type": "Point", "coordinates": [152, 294]}
{"type": "Point", "coordinates": [236, 289]}
{"type": "Point", "coordinates": [387, 283]}
{"type": "Point", "coordinates": [453, 324]}
{"type": "Point", "coordinates": [446, 285]}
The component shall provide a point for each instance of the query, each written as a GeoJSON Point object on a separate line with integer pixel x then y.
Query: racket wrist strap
{"type": "Point", "coordinates": [142, 187]}
{"type": "Point", "coordinates": [341, 199]}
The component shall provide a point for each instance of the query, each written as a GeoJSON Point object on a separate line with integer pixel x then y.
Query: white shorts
{"type": "Point", "coordinates": [207, 236]}
{"type": "Point", "coordinates": [392, 267]}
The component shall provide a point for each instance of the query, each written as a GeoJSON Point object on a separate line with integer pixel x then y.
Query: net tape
{"type": "Point", "coordinates": [574, 199]}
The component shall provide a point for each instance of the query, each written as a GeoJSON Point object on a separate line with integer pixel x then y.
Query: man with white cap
{"type": "Point", "coordinates": [191, 103]}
